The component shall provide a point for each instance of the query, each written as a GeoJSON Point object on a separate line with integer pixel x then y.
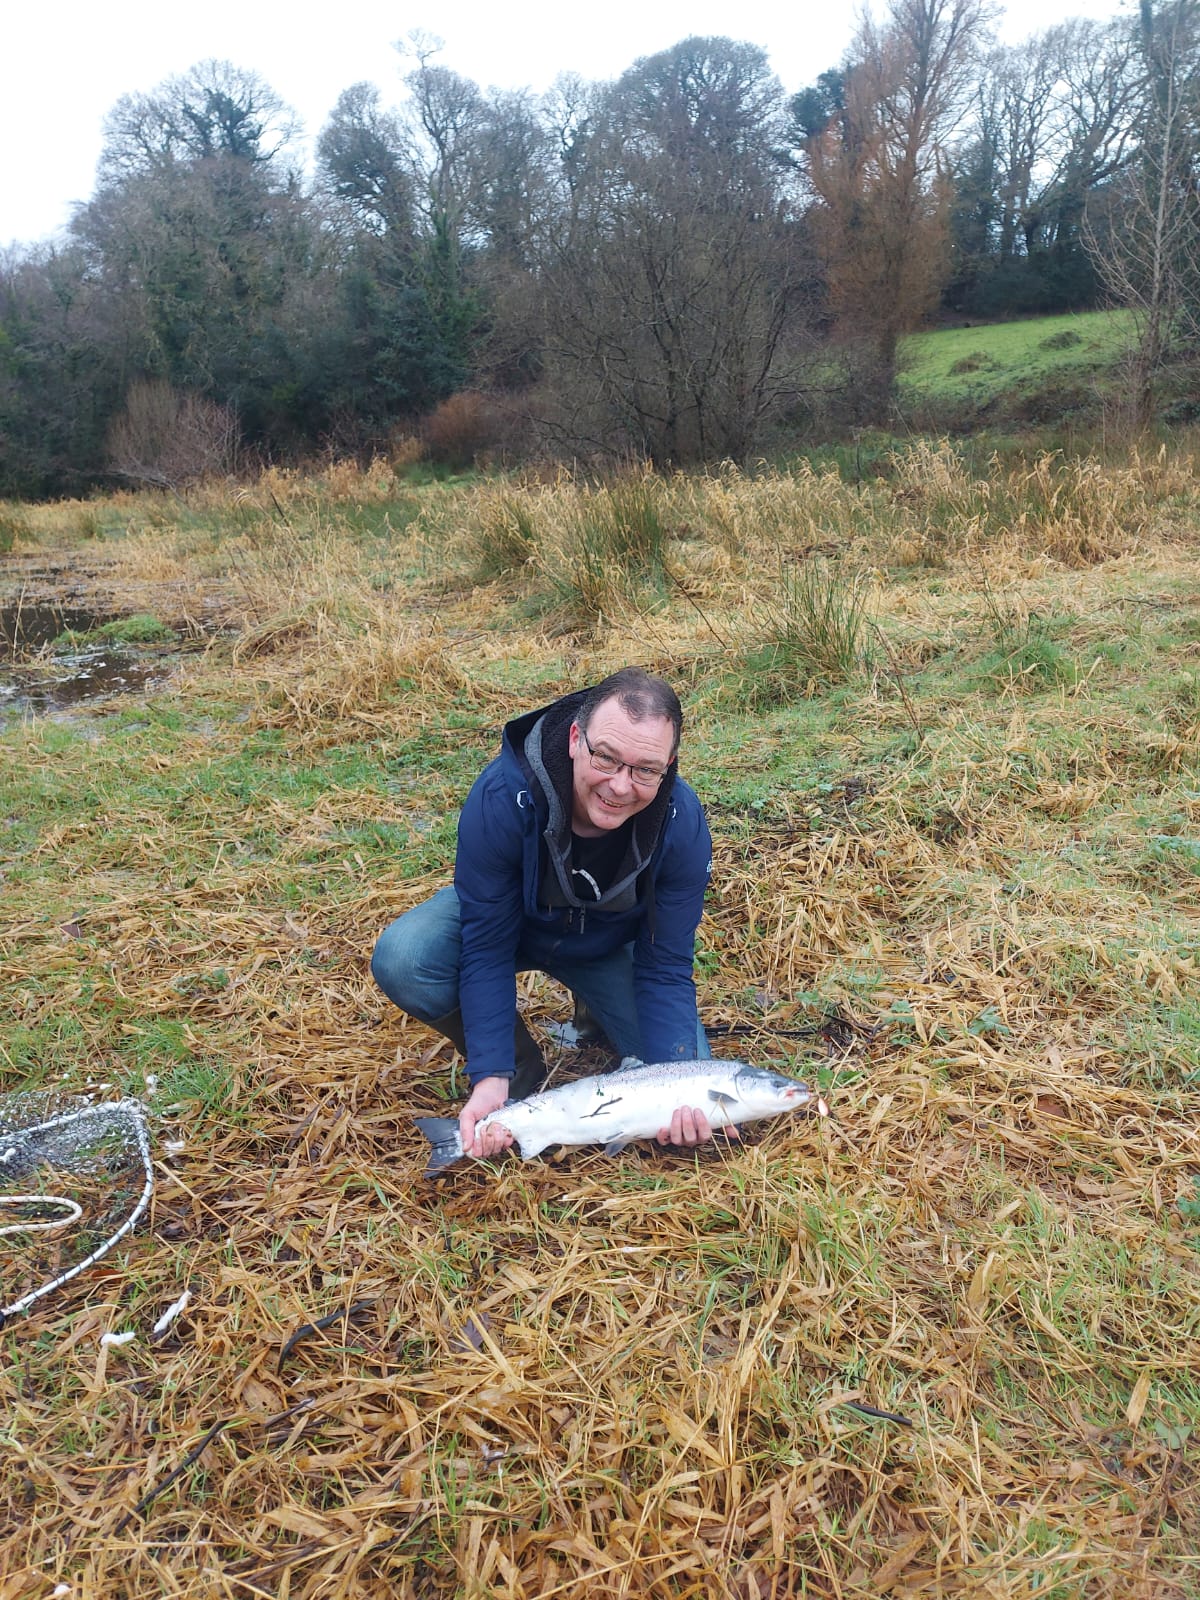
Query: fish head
{"type": "Point", "coordinates": [764, 1092]}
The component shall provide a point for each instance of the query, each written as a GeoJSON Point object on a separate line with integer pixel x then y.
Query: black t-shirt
{"type": "Point", "coordinates": [596, 862]}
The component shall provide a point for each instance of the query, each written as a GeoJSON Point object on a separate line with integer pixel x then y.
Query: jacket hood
{"type": "Point", "coordinates": [538, 742]}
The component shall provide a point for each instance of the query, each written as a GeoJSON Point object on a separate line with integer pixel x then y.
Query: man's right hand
{"type": "Point", "coordinates": [488, 1095]}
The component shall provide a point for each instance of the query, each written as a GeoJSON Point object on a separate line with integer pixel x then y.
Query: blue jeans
{"type": "Point", "coordinates": [416, 964]}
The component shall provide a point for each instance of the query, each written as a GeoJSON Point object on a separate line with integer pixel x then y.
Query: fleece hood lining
{"type": "Point", "coordinates": [545, 752]}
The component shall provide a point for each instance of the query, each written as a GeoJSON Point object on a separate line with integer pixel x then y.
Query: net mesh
{"type": "Point", "coordinates": [68, 1167]}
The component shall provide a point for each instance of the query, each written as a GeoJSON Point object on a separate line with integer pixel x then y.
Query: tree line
{"type": "Point", "coordinates": [669, 265]}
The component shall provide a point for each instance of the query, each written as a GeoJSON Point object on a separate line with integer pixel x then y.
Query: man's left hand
{"type": "Point", "coordinates": [689, 1126]}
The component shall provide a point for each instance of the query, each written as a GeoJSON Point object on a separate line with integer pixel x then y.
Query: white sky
{"type": "Point", "coordinates": [68, 61]}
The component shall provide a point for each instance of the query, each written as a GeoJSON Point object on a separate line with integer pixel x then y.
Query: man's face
{"type": "Point", "coordinates": [602, 801]}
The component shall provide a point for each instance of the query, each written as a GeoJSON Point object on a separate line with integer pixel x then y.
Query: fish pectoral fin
{"type": "Point", "coordinates": [531, 1145]}
{"type": "Point", "coordinates": [617, 1144]}
{"type": "Point", "coordinates": [721, 1098]}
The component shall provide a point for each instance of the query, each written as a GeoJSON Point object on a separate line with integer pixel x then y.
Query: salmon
{"type": "Point", "coordinates": [634, 1102]}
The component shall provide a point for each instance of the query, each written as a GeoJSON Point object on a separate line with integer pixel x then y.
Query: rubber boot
{"type": "Point", "coordinates": [530, 1072]}
{"type": "Point", "coordinates": [587, 1029]}
{"type": "Point", "coordinates": [530, 1067]}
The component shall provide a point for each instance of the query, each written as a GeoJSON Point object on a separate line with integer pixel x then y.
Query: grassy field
{"type": "Point", "coordinates": [947, 727]}
{"type": "Point", "coordinates": [1040, 369]}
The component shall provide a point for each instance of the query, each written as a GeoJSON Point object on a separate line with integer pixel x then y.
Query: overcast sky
{"type": "Point", "coordinates": [68, 61]}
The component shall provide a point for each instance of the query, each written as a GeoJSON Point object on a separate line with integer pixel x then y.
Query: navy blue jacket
{"type": "Point", "coordinates": [513, 828]}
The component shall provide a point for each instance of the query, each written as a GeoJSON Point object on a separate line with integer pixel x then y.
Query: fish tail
{"type": "Point", "coordinates": [445, 1142]}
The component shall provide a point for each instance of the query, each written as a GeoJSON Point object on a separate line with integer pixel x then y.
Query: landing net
{"type": "Point", "coordinates": [98, 1151]}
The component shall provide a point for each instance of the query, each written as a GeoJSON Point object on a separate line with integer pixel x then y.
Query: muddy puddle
{"type": "Point", "coordinates": [51, 659]}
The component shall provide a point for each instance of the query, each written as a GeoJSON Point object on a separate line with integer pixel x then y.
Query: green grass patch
{"type": "Point", "coordinates": [984, 361]}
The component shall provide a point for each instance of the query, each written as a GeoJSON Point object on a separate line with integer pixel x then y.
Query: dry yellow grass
{"type": "Point", "coordinates": [586, 1377]}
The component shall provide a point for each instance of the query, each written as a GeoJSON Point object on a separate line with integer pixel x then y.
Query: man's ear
{"type": "Point", "coordinates": [573, 740]}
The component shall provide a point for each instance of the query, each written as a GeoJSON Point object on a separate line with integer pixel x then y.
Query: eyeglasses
{"type": "Point", "coordinates": [642, 777]}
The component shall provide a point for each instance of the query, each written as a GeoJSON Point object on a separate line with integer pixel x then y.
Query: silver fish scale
{"type": "Point", "coordinates": [668, 1071]}
{"type": "Point", "coordinates": [642, 1074]}
{"type": "Point", "coordinates": [668, 1084]}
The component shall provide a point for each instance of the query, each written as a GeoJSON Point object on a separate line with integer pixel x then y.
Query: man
{"type": "Point", "coordinates": [583, 854]}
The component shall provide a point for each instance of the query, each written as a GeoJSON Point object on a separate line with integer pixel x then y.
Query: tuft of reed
{"type": "Point", "coordinates": [1026, 654]}
{"type": "Point", "coordinates": [14, 526]}
{"type": "Point", "coordinates": [808, 633]}
{"type": "Point", "coordinates": [504, 536]}
{"type": "Point", "coordinates": [607, 551]}
{"type": "Point", "coordinates": [593, 551]}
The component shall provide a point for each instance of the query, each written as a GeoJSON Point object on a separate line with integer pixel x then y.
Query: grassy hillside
{"type": "Point", "coordinates": [947, 728]}
{"type": "Point", "coordinates": [1037, 369]}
